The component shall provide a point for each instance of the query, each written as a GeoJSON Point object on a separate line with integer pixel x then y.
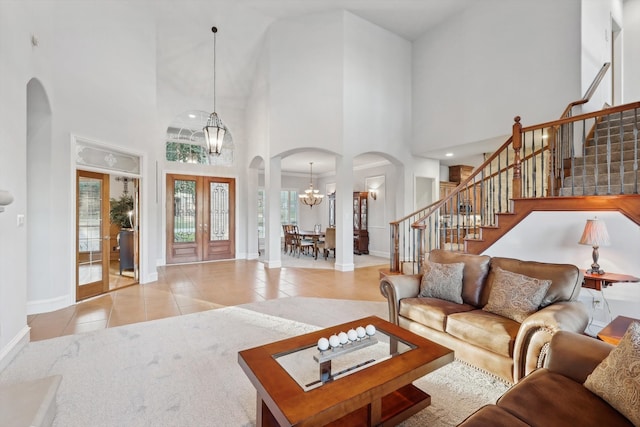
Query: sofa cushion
{"type": "Point", "coordinates": [566, 279]}
{"type": "Point", "coordinates": [546, 398]}
{"type": "Point", "coordinates": [515, 295]}
{"type": "Point", "coordinates": [492, 416]}
{"type": "Point", "coordinates": [617, 378]}
{"type": "Point", "coordinates": [431, 312]}
{"type": "Point", "coordinates": [442, 281]}
{"type": "Point", "coordinates": [476, 268]}
{"type": "Point", "coordinates": [483, 329]}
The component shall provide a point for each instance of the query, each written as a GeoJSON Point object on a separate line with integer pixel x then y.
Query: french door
{"type": "Point", "coordinates": [92, 231]}
{"type": "Point", "coordinates": [200, 218]}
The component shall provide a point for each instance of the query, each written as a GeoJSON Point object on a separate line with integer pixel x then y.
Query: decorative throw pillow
{"type": "Point", "coordinates": [617, 378]}
{"type": "Point", "coordinates": [442, 281]}
{"type": "Point", "coordinates": [514, 295]}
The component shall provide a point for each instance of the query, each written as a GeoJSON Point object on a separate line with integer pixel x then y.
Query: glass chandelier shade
{"type": "Point", "coordinates": [311, 196]}
{"type": "Point", "coordinates": [215, 130]}
{"type": "Point", "coordinates": [214, 133]}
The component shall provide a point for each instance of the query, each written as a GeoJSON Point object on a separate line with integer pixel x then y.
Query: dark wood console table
{"type": "Point", "coordinates": [599, 281]}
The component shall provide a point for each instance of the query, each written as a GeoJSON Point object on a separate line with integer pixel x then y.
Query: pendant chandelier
{"type": "Point", "coordinates": [311, 197]}
{"type": "Point", "coordinates": [215, 130]}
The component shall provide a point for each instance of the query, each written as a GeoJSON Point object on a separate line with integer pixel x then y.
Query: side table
{"type": "Point", "coordinates": [613, 332]}
{"type": "Point", "coordinates": [599, 281]}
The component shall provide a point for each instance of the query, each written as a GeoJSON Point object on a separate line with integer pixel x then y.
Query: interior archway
{"type": "Point", "coordinates": [39, 147]}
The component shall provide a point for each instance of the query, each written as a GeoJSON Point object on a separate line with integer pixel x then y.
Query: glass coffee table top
{"type": "Point", "coordinates": [312, 368]}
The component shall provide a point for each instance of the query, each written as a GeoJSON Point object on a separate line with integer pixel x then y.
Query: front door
{"type": "Point", "coordinates": [92, 231]}
{"type": "Point", "coordinates": [200, 218]}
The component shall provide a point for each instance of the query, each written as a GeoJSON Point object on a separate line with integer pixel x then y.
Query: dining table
{"type": "Point", "coordinates": [316, 236]}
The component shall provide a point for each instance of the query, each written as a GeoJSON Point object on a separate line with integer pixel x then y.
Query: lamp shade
{"type": "Point", "coordinates": [595, 233]}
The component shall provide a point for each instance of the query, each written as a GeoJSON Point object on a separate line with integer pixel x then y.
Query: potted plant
{"type": "Point", "coordinates": [121, 209]}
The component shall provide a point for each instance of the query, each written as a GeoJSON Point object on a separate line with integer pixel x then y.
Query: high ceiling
{"type": "Point", "coordinates": [185, 41]}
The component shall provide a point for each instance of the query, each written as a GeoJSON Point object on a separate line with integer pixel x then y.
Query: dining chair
{"type": "Point", "coordinates": [329, 243]}
{"type": "Point", "coordinates": [302, 245]}
{"type": "Point", "coordinates": [290, 231]}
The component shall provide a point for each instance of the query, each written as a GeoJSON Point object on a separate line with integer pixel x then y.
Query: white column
{"type": "Point", "coordinates": [344, 213]}
{"type": "Point", "coordinates": [252, 214]}
{"type": "Point", "coordinates": [272, 187]}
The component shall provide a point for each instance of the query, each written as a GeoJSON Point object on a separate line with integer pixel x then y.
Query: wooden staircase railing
{"type": "Point", "coordinates": [587, 154]}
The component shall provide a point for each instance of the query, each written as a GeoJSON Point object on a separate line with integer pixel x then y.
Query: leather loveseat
{"type": "Point", "coordinates": [555, 395]}
{"type": "Point", "coordinates": [495, 344]}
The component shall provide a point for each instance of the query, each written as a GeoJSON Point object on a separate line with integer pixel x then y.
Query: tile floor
{"type": "Point", "coordinates": [188, 288]}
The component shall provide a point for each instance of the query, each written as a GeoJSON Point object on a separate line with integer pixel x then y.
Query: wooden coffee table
{"type": "Point", "coordinates": [367, 386]}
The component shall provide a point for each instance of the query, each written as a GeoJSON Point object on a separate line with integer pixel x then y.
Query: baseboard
{"type": "Point", "coordinates": [345, 267]}
{"type": "Point", "coordinates": [14, 347]}
{"type": "Point", "coordinates": [273, 264]}
{"type": "Point", "coordinates": [47, 305]}
{"type": "Point", "coordinates": [379, 254]}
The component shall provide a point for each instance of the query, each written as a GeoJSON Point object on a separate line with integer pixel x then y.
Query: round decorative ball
{"type": "Point", "coordinates": [344, 338]}
{"type": "Point", "coordinates": [352, 334]}
{"type": "Point", "coordinates": [323, 344]}
{"type": "Point", "coordinates": [334, 341]}
{"type": "Point", "coordinates": [370, 329]}
{"type": "Point", "coordinates": [361, 332]}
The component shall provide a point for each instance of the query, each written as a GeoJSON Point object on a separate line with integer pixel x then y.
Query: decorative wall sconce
{"type": "Point", "coordinates": [5, 199]}
{"type": "Point", "coordinates": [373, 194]}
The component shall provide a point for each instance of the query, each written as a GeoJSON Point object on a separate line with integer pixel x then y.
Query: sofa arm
{"type": "Point", "coordinates": [397, 287]}
{"type": "Point", "coordinates": [575, 355]}
{"type": "Point", "coordinates": [536, 331]}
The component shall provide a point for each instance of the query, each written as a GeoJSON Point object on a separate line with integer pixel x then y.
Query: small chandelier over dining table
{"type": "Point", "coordinates": [311, 197]}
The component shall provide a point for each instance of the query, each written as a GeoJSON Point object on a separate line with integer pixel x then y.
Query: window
{"type": "Point", "coordinates": [186, 153]}
{"type": "Point", "coordinates": [89, 223]}
{"type": "Point", "coordinates": [288, 209]}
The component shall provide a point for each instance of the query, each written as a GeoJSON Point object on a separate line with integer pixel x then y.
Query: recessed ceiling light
{"type": "Point", "coordinates": [449, 155]}
{"type": "Point", "coordinates": [192, 116]}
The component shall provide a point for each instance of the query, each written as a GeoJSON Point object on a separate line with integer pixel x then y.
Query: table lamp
{"type": "Point", "coordinates": [595, 234]}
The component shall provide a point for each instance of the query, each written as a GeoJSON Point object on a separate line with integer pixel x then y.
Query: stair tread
{"type": "Point", "coordinates": [29, 403]}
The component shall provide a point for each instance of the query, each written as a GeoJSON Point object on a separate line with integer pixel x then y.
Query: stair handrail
{"type": "Point", "coordinates": [590, 90]}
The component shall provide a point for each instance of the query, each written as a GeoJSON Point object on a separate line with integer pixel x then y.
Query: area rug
{"type": "Point", "coordinates": [183, 371]}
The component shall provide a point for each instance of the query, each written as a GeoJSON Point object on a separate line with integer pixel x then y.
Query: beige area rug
{"type": "Point", "coordinates": [307, 261]}
{"type": "Point", "coordinates": [183, 371]}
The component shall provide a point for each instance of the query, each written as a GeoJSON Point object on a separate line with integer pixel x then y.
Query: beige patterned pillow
{"type": "Point", "coordinates": [617, 378]}
{"type": "Point", "coordinates": [514, 295]}
{"type": "Point", "coordinates": [442, 281]}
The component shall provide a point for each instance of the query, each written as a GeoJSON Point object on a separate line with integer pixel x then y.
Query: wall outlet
{"type": "Point", "coordinates": [597, 304]}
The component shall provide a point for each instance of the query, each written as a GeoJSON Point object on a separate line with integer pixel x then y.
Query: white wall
{"type": "Point", "coordinates": [596, 49]}
{"type": "Point", "coordinates": [493, 61]}
{"type": "Point", "coordinates": [305, 83]}
{"type": "Point", "coordinates": [15, 63]}
{"type": "Point", "coordinates": [377, 90]}
{"type": "Point", "coordinates": [631, 47]}
{"type": "Point", "coordinates": [553, 237]}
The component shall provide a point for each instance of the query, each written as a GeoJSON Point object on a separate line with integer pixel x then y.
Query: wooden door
{"type": "Point", "coordinates": [92, 234]}
{"type": "Point", "coordinates": [200, 218]}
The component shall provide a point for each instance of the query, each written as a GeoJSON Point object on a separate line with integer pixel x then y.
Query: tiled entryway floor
{"type": "Point", "coordinates": [188, 288]}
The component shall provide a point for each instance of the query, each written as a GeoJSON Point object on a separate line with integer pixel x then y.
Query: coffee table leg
{"type": "Point", "coordinates": [264, 417]}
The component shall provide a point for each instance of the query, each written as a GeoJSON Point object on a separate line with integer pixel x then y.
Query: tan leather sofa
{"type": "Point", "coordinates": [495, 344]}
{"type": "Point", "coordinates": [554, 395]}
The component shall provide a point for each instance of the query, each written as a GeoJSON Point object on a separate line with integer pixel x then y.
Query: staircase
{"type": "Point", "coordinates": [609, 161]}
{"type": "Point", "coordinates": [585, 162]}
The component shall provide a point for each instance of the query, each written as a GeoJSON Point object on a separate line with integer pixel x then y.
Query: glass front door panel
{"type": "Point", "coordinates": [219, 211]}
{"type": "Point", "coordinates": [184, 211]}
{"type": "Point", "coordinates": [90, 254]}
